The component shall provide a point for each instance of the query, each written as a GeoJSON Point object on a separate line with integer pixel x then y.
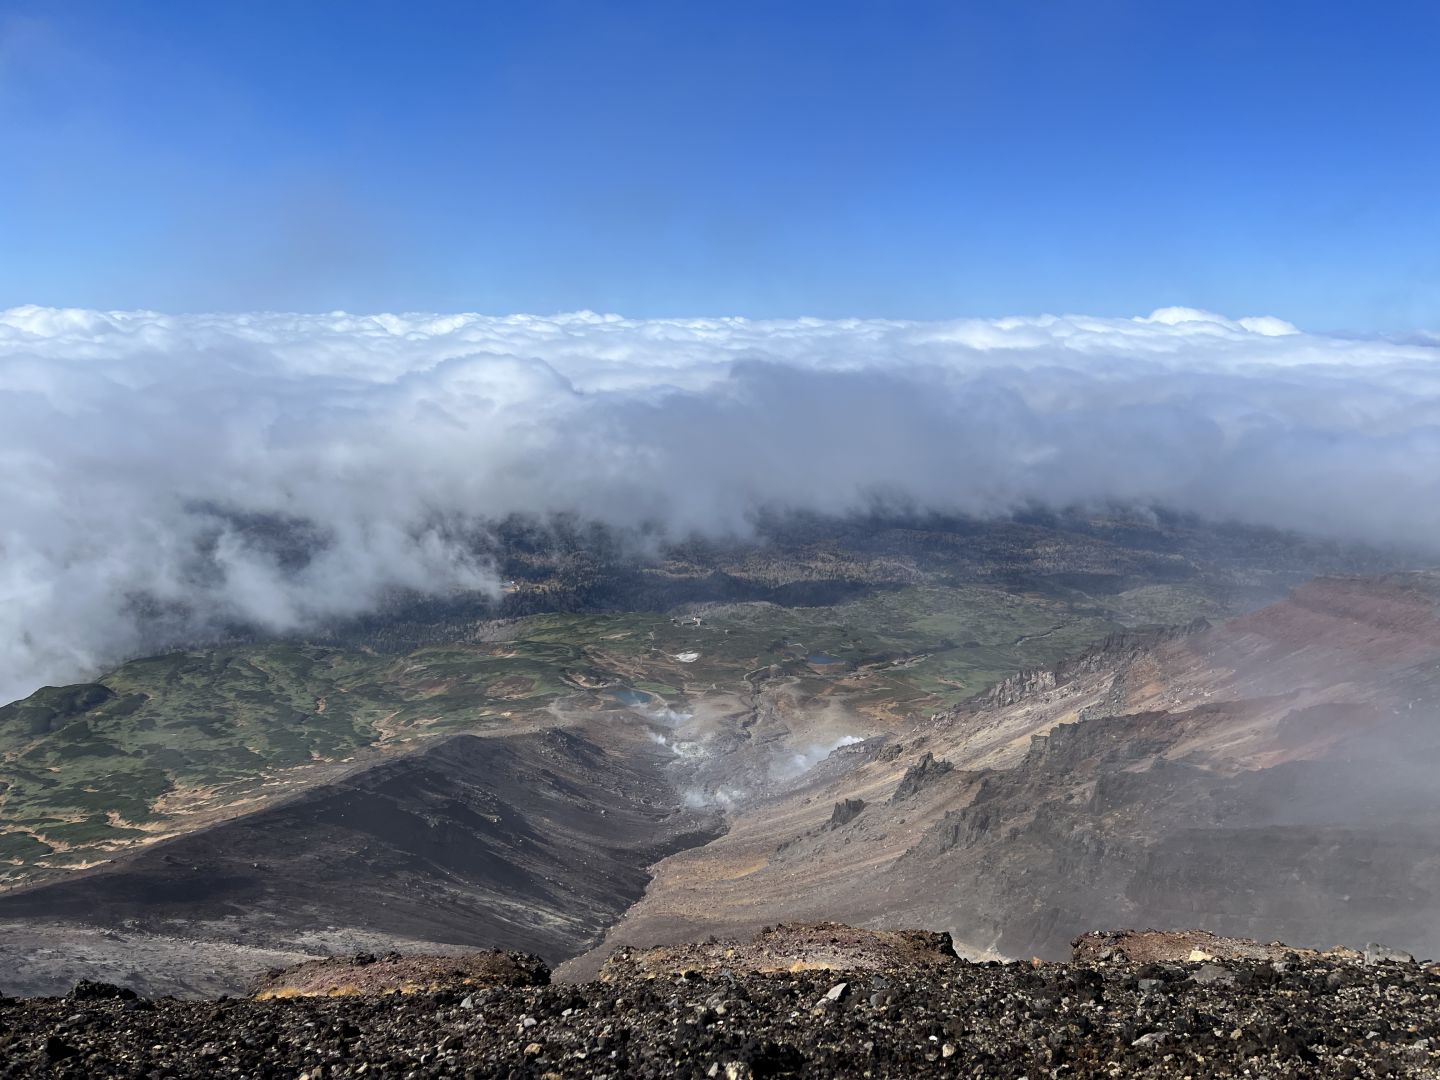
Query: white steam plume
{"type": "Point", "coordinates": [135, 446]}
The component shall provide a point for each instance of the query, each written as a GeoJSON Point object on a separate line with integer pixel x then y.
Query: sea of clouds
{"type": "Point", "coordinates": [135, 447]}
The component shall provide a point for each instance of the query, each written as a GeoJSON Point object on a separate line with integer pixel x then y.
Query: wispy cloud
{"type": "Point", "coordinates": [135, 447]}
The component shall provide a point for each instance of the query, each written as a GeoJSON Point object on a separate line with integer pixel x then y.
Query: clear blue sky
{"type": "Point", "coordinates": [874, 159]}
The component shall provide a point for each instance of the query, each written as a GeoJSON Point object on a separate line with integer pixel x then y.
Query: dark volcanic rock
{"type": "Point", "coordinates": [845, 812]}
{"type": "Point", "coordinates": [86, 990]}
{"type": "Point", "coordinates": [919, 776]}
{"type": "Point", "coordinates": [1318, 1018]}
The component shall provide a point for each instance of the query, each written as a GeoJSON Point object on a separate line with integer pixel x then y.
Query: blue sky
{"type": "Point", "coordinates": [871, 159]}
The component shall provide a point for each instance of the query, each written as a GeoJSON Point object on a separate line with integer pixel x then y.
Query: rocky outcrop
{"type": "Point", "coordinates": [1181, 946]}
{"type": "Point", "coordinates": [846, 811]}
{"type": "Point", "coordinates": [368, 975]}
{"type": "Point", "coordinates": [919, 776]}
{"type": "Point", "coordinates": [1110, 654]}
{"type": "Point", "coordinates": [791, 947]}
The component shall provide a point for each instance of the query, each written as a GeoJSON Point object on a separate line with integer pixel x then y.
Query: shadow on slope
{"type": "Point", "coordinates": [533, 842]}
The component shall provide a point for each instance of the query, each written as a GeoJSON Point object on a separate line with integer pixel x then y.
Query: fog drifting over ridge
{"type": "Point", "coordinates": [132, 444]}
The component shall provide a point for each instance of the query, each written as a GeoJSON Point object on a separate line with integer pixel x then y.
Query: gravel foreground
{"type": "Point", "coordinates": [1284, 1018]}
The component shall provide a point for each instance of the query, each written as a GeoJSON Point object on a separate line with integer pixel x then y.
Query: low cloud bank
{"type": "Point", "coordinates": [141, 453]}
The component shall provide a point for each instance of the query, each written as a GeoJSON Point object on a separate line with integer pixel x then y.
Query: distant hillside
{"type": "Point", "coordinates": [182, 795]}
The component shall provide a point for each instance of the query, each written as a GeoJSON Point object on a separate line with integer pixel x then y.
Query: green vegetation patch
{"type": "Point", "coordinates": [164, 736]}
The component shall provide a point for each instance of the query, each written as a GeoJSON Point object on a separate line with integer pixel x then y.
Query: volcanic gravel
{"type": "Point", "coordinates": [1257, 1019]}
{"type": "Point", "coordinates": [791, 947]}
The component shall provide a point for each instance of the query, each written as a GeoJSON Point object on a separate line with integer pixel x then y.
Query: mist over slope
{"type": "Point", "coordinates": [145, 458]}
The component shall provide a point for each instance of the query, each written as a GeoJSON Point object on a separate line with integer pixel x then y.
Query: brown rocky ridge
{"type": "Point", "coordinates": [1170, 946]}
{"type": "Point", "coordinates": [367, 974]}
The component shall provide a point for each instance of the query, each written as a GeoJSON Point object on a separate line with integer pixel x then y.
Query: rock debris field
{"type": "Point", "coordinates": [1296, 1015]}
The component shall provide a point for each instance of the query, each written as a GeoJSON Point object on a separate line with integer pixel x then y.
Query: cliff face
{"type": "Point", "coordinates": [1296, 799]}
{"type": "Point", "coordinates": [1097, 821]}
{"type": "Point", "coordinates": [1270, 777]}
{"type": "Point", "coordinates": [1111, 653]}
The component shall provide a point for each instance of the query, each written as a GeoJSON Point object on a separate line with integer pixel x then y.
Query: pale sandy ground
{"type": "Point", "coordinates": [38, 959]}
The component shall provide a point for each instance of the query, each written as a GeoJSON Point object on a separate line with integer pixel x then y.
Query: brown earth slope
{"type": "Point", "coordinates": [1272, 777]}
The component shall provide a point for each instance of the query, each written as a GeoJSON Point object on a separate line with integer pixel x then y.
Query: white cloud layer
{"type": "Point", "coordinates": [130, 441]}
